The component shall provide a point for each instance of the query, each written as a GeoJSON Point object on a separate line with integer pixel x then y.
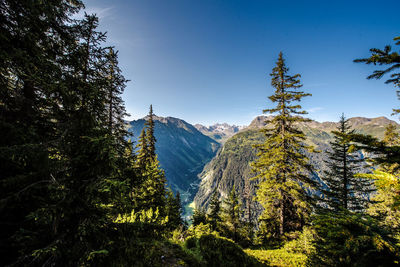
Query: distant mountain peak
{"type": "Point", "coordinates": [231, 164]}
{"type": "Point", "coordinates": [219, 131]}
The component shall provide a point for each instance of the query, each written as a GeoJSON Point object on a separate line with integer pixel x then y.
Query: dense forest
{"type": "Point", "coordinates": [76, 191]}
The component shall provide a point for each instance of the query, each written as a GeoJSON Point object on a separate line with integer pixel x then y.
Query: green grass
{"type": "Point", "coordinates": [278, 257]}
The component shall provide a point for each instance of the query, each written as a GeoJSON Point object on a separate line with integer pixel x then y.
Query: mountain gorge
{"type": "Point", "coordinates": [231, 166]}
{"type": "Point", "coordinates": [182, 151]}
{"type": "Point", "coordinates": [198, 160]}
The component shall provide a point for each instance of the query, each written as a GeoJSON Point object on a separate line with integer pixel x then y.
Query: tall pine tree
{"type": "Point", "coordinates": [344, 190]}
{"type": "Point", "coordinates": [282, 168]}
{"type": "Point", "coordinates": [231, 213]}
{"type": "Point", "coordinates": [152, 192]}
{"type": "Point", "coordinates": [214, 211]}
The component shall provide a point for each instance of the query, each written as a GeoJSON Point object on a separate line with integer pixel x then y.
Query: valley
{"type": "Point", "coordinates": [198, 159]}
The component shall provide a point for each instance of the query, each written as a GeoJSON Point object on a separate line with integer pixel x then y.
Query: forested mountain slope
{"type": "Point", "coordinates": [182, 151]}
{"type": "Point", "coordinates": [231, 165]}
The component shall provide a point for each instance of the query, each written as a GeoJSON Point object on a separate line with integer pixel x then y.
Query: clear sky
{"type": "Point", "coordinates": [208, 61]}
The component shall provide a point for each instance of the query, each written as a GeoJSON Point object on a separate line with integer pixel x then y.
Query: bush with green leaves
{"type": "Point", "coordinates": [304, 243]}
{"type": "Point", "coordinates": [219, 251]}
{"type": "Point", "coordinates": [351, 239]}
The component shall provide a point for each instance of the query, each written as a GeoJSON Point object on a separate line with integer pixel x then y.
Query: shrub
{"type": "Point", "coordinates": [303, 244]}
{"type": "Point", "coordinates": [220, 251]}
{"type": "Point", "coordinates": [351, 239]}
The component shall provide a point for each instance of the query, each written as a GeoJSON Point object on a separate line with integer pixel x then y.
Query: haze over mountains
{"type": "Point", "coordinates": [198, 159]}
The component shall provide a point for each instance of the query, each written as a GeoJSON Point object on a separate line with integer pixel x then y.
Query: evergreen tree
{"type": "Point", "coordinates": [344, 190]}
{"type": "Point", "coordinates": [152, 192]}
{"type": "Point", "coordinates": [34, 35]}
{"type": "Point", "coordinates": [385, 57]}
{"type": "Point", "coordinates": [248, 202]}
{"type": "Point", "coordinates": [142, 149]}
{"type": "Point", "coordinates": [214, 211]}
{"type": "Point", "coordinates": [199, 216]}
{"type": "Point", "coordinates": [391, 140]}
{"type": "Point", "coordinates": [231, 213]}
{"type": "Point", "coordinates": [174, 210]}
{"type": "Point", "coordinates": [351, 239]}
{"type": "Point", "coordinates": [391, 136]}
{"type": "Point", "coordinates": [150, 138]}
{"type": "Point", "coordinates": [282, 168]}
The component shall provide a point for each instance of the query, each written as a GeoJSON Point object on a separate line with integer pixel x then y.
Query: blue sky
{"type": "Point", "coordinates": [208, 61]}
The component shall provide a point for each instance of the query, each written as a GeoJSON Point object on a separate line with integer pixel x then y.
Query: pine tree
{"type": "Point", "coordinates": [150, 138]}
{"type": "Point", "coordinates": [391, 136]}
{"type": "Point", "coordinates": [344, 190]}
{"type": "Point", "coordinates": [174, 210]}
{"type": "Point", "coordinates": [282, 168]}
{"type": "Point", "coordinates": [142, 149]}
{"type": "Point", "coordinates": [247, 194]}
{"type": "Point", "coordinates": [199, 216]}
{"type": "Point", "coordinates": [34, 35]}
{"type": "Point", "coordinates": [152, 192]}
{"type": "Point", "coordinates": [385, 57]}
{"type": "Point", "coordinates": [214, 211]}
{"type": "Point", "coordinates": [231, 213]}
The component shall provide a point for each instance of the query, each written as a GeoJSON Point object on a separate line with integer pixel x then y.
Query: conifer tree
{"type": "Point", "coordinates": [150, 138]}
{"type": "Point", "coordinates": [282, 168]}
{"type": "Point", "coordinates": [34, 35]}
{"type": "Point", "coordinates": [214, 211]}
{"type": "Point", "coordinates": [391, 136]}
{"type": "Point", "coordinates": [199, 216]}
{"type": "Point", "coordinates": [248, 202]}
{"type": "Point", "coordinates": [388, 58]}
{"type": "Point", "coordinates": [64, 161]}
{"type": "Point", "coordinates": [231, 213]}
{"type": "Point", "coordinates": [152, 192]}
{"type": "Point", "coordinates": [174, 210]}
{"type": "Point", "coordinates": [344, 190]}
{"type": "Point", "coordinates": [142, 149]}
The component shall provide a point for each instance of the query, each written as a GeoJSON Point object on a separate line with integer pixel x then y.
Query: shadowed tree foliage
{"type": "Point", "coordinates": [282, 168]}
{"type": "Point", "coordinates": [351, 239]}
{"type": "Point", "coordinates": [150, 137]}
{"type": "Point", "coordinates": [174, 210]}
{"type": "Point", "coordinates": [199, 216]}
{"type": "Point", "coordinates": [391, 136]}
{"type": "Point", "coordinates": [231, 213]}
{"type": "Point", "coordinates": [344, 190]}
{"type": "Point", "coordinates": [214, 211]}
{"type": "Point", "coordinates": [152, 192]}
{"type": "Point", "coordinates": [385, 57]}
{"type": "Point", "coordinates": [65, 170]}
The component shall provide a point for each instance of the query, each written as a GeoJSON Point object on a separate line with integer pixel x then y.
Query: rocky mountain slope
{"type": "Point", "coordinates": [182, 151]}
{"type": "Point", "coordinates": [231, 165]}
{"type": "Point", "coordinates": [220, 132]}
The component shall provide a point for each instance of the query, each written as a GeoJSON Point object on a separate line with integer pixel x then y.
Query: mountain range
{"type": "Point", "coordinates": [182, 151]}
{"type": "Point", "coordinates": [220, 132]}
{"type": "Point", "coordinates": [231, 166]}
{"type": "Point", "coordinates": [198, 159]}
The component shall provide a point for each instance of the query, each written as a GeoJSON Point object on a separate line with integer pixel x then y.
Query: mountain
{"type": "Point", "coordinates": [231, 165]}
{"type": "Point", "coordinates": [182, 151]}
{"type": "Point", "coordinates": [220, 132]}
